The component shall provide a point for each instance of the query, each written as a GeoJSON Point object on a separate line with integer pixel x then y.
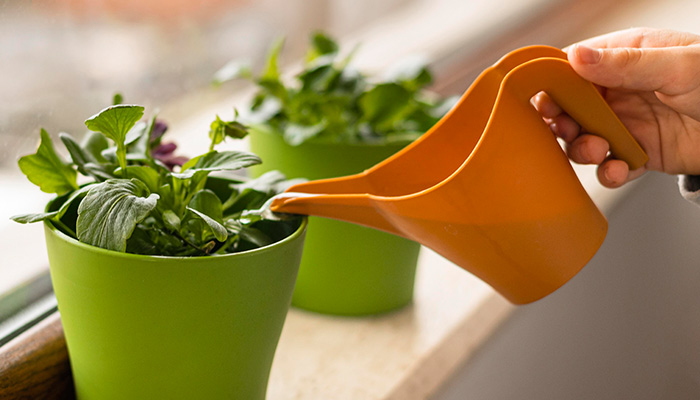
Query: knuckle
{"type": "Point", "coordinates": [622, 60]}
{"type": "Point", "coordinates": [685, 75]}
{"type": "Point", "coordinates": [629, 56]}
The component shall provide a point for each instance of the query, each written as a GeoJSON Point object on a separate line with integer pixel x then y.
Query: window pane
{"type": "Point", "coordinates": [62, 61]}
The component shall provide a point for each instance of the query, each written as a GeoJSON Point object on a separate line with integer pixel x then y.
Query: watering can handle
{"type": "Point", "coordinates": [580, 99]}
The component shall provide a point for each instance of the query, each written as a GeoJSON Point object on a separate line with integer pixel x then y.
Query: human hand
{"type": "Point", "coordinates": [651, 80]}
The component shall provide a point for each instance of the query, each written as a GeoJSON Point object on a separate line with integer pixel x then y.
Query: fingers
{"type": "Point", "coordinates": [588, 149]}
{"type": "Point", "coordinates": [584, 148]}
{"type": "Point", "coordinates": [591, 149]}
{"type": "Point", "coordinates": [613, 173]}
{"type": "Point", "coordinates": [545, 105]}
{"type": "Point", "coordinates": [626, 67]}
{"type": "Point", "coordinates": [560, 123]}
{"type": "Point", "coordinates": [639, 59]}
{"type": "Point", "coordinates": [565, 127]}
{"type": "Point", "coordinates": [642, 37]}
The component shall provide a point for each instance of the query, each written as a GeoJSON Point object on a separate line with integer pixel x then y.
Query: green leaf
{"type": "Point", "coordinates": [141, 242]}
{"type": "Point", "coordinates": [220, 233]}
{"type": "Point", "coordinates": [171, 220]}
{"type": "Point", "coordinates": [77, 154]}
{"type": "Point", "coordinates": [412, 73]}
{"type": "Point", "coordinates": [76, 195]}
{"type": "Point", "coordinates": [85, 160]}
{"type": "Point", "coordinates": [100, 171]}
{"type": "Point", "coordinates": [248, 199]}
{"type": "Point", "coordinates": [115, 121]}
{"type": "Point", "coordinates": [110, 154]}
{"type": "Point", "coordinates": [321, 44]}
{"type": "Point", "coordinates": [47, 170]}
{"type": "Point", "coordinates": [384, 104]}
{"type": "Point", "coordinates": [265, 183]}
{"type": "Point", "coordinates": [110, 211]}
{"type": "Point", "coordinates": [268, 108]}
{"type": "Point", "coordinates": [53, 215]}
{"type": "Point", "coordinates": [270, 77]}
{"type": "Point", "coordinates": [136, 132]}
{"type": "Point", "coordinates": [220, 129]}
{"type": "Point", "coordinates": [142, 147]}
{"type": "Point", "coordinates": [117, 99]}
{"type": "Point", "coordinates": [217, 161]}
{"type": "Point", "coordinates": [271, 70]}
{"type": "Point", "coordinates": [296, 134]}
{"type": "Point", "coordinates": [95, 143]}
{"type": "Point", "coordinates": [31, 218]}
{"type": "Point", "coordinates": [208, 203]}
{"type": "Point", "coordinates": [233, 70]}
{"type": "Point", "coordinates": [275, 88]}
{"type": "Point", "coordinates": [146, 174]}
{"type": "Point", "coordinates": [255, 236]}
{"type": "Point", "coordinates": [169, 200]}
{"type": "Point", "coordinates": [318, 78]}
{"type": "Point", "coordinates": [253, 193]}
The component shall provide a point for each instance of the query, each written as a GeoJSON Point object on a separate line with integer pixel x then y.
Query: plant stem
{"type": "Point", "coordinates": [227, 244]}
{"type": "Point", "coordinates": [64, 227]}
{"type": "Point", "coordinates": [121, 156]}
{"type": "Point", "coordinates": [189, 243]}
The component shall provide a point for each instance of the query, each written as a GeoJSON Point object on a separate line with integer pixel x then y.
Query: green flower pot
{"type": "Point", "coordinates": [146, 327]}
{"type": "Point", "coordinates": [346, 269]}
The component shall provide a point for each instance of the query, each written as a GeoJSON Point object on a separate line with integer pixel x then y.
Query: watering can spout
{"type": "Point", "coordinates": [345, 199]}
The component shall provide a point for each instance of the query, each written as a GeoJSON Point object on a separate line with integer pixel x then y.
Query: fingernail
{"type": "Point", "coordinates": [606, 174]}
{"type": "Point", "coordinates": [588, 55]}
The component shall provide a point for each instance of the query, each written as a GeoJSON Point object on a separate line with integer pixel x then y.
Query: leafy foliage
{"type": "Point", "coordinates": [329, 100]}
{"type": "Point", "coordinates": [47, 170]}
{"type": "Point", "coordinates": [138, 201]}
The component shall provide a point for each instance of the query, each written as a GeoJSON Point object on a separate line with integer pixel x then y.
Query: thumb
{"type": "Point", "coordinates": [647, 69]}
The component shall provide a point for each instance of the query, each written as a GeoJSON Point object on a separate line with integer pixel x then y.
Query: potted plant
{"type": "Point", "coordinates": [166, 287]}
{"type": "Point", "coordinates": [334, 121]}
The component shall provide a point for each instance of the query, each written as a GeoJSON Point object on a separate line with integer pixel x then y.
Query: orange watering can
{"type": "Point", "coordinates": [489, 187]}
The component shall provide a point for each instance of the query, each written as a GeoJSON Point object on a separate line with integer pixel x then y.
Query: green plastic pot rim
{"type": "Point", "coordinates": [248, 253]}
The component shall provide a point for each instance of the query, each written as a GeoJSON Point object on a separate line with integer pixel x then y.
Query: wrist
{"type": "Point", "coordinates": [689, 186]}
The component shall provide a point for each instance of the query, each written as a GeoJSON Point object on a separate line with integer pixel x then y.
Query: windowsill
{"type": "Point", "coordinates": [402, 355]}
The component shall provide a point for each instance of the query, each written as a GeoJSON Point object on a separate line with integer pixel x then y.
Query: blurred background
{"type": "Point", "coordinates": [62, 60]}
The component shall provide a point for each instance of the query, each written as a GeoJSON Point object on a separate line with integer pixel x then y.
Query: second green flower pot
{"type": "Point", "coordinates": [346, 269]}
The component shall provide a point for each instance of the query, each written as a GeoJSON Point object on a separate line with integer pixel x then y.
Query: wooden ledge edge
{"type": "Point", "coordinates": [35, 365]}
{"type": "Point", "coordinates": [474, 330]}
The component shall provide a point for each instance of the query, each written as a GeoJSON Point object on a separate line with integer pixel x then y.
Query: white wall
{"type": "Point", "coordinates": [627, 327]}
